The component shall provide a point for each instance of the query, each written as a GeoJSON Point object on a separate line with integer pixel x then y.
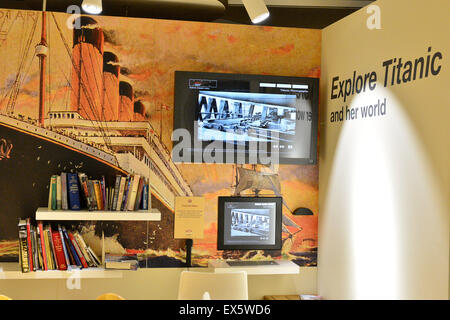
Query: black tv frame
{"type": "Point", "coordinates": [182, 118]}
{"type": "Point", "coordinates": [278, 223]}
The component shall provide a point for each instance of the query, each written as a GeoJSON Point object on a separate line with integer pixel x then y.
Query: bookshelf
{"type": "Point", "coordinates": [44, 213]}
{"type": "Point", "coordinates": [11, 271]}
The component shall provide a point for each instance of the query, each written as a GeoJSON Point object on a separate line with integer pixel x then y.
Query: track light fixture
{"type": "Point", "coordinates": [257, 10]}
{"type": "Point", "coordinates": [92, 6]}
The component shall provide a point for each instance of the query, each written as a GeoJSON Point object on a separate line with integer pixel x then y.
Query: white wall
{"type": "Point", "coordinates": [384, 193]}
{"type": "Point", "coordinates": [149, 284]}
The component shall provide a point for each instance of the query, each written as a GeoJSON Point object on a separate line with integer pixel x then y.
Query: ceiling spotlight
{"type": "Point", "coordinates": [256, 9]}
{"type": "Point", "coordinates": [92, 6]}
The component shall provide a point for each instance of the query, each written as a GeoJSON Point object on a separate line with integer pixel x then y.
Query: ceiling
{"type": "Point", "coordinates": [315, 14]}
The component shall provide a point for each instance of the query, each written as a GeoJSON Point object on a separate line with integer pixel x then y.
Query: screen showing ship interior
{"type": "Point", "coordinates": [280, 119]}
{"type": "Point", "coordinates": [249, 223]}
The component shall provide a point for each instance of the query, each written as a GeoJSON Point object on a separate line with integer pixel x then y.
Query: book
{"type": "Point", "coordinates": [74, 193]}
{"type": "Point", "coordinates": [133, 194]}
{"type": "Point", "coordinates": [23, 246]}
{"type": "Point", "coordinates": [103, 188]}
{"type": "Point", "coordinates": [98, 194]}
{"type": "Point", "coordinates": [111, 198]}
{"type": "Point", "coordinates": [50, 194]}
{"type": "Point", "coordinates": [121, 262]}
{"type": "Point", "coordinates": [66, 255]}
{"type": "Point", "coordinates": [145, 196]}
{"type": "Point", "coordinates": [69, 243]}
{"type": "Point", "coordinates": [123, 181]}
{"type": "Point", "coordinates": [92, 194]}
{"type": "Point", "coordinates": [30, 248]}
{"type": "Point", "coordinates": [59, 251]}
{"type": "Point", "coordinates": [39, 249]}
{"type": "Point", "coordinates": [77, 249]}
{"type": "Point", "coordinates": [58, 193]}
{"type": "Point", "coordinates": [86, 191]}
{"type": "Point", "coordinates": [53, 188]}
{"type": "Point", "coordinates": [36, 265]}
{"type": "Point", "coordinates": [48, 254]}
{"type": "Point", "coordinates": [64, 201]}
{"type": "Point", "coordinates": [137, 204]}
{"type": "Point", "coordinates": [41, 237]}
{"type": "Point", "coordinates": [94, 256]}
{"type": "Point", "coordinates": [126, 192]}
{"type": "Point", "coordinates": [71, 262]}
{"type": "Point", "coordinates": [116, 192]}
{"type": "Point", "coordinates": [83, 248]}
{"type": "Point", "coordinates": [51, 249]}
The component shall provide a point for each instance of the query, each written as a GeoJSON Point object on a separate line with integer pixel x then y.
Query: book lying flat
{"type": "Point", "coordinates": [122, 262]}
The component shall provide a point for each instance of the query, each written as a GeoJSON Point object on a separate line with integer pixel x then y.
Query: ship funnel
{"type": "Point", "coordinates": [139, 111]}
{"type": "Point", "coordinates": [87, 70]}
{"type": "Point", "coordinates": [126, 102]}
{"type": "Point", "coordinates": [111, 70]}
{"type": "Point", "coordinates": [89, 32]}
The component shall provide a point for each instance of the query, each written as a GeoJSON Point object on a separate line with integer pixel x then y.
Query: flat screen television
{"type": "Point", "coordinates": [239, 118]}
{"type": "Point", "coordinates": [247, 223]}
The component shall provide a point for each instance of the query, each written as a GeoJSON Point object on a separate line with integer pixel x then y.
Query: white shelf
{"type": "Point", "coordinates": [90, 273]}
{"type": "Point", "coordinates": [283, 267]}
{"type": "Point", "coordinates": [85, 215]}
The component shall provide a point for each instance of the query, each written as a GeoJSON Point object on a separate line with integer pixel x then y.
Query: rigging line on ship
{"type": "Point", "coordinates": [49, 87]}
{"type": "Point", "coordinates": [20, 77]}
{"type": "Point", "coordinates": [5, 17]}
{"type": "Point", "coordinates": [83, 86]}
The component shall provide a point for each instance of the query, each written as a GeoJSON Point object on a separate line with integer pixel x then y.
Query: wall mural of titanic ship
{"type": "Point", "coordinates": [103, 130]}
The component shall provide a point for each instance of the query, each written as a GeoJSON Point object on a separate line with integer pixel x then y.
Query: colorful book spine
{"type": "Point", "coordinates": [116, 193]}
{"type": "Point", "coordinates": [103, 188]}
{"type": "Point", "coordinates": [139, 194]}
{"type": "Point", "coordinates": [71, 258]}
{"type": "Point", "coordinates": [83, 248]}
{"type": "Point", "coordinates": [145, 197]}
{"type": "Point", "coordinates": [66, 255]}
{"type": "Point", "coordinates": [123, 180]}
{"type": "Point", "coordinates": [98, 194]}
{"type": "Point", "coordinates": [72, 249]}
{"type": "Point", "coordinates": [74, 193]}
{"type": "Point", "coordinates": [52, 248]}
{"type": "Point", "coordinates": [39, 249]}
{"type": "Point", "coordinates": [59, 251]}
{"type": "Point", "coordinates": [92, 194]}
{"type": "Point", "coordinates": [44, 253]}
{"type": "Point", "coordinates": [36, 265]}
{"type": "Point", "coordinates": [30, 248]}
{"type": "Point", "coordinates": [48, 254]}
{"type": "Point", "coordinates": [126, 192]}
{"type": "Point", "coordinates": [58, 193]}
{"type": "Point", "coordinates": [53, 188]}
{"type": "Point", "coordinates": [94, 257]}
{"type": "Point", "coordinates": [133, 194]}
{"type": "Point", "coordinates": [85, 190]}
{"type": "Point", "coordinates": [64, 201]}
{"type": "Point", "coordinates": [23, 246]}
{"type": "Point", "coordinates": [78, 251]}
{"type": "Point", "coordinates": [50, 194]}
